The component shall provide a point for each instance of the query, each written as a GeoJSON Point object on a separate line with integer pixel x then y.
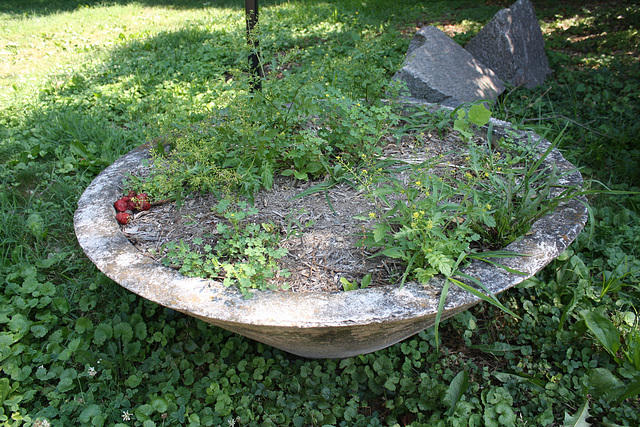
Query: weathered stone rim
{"type": "Point", "coordinates": [414, 304]}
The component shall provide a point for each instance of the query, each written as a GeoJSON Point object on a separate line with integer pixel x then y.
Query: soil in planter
{"type": "Point", "coordinates": [324, 248]}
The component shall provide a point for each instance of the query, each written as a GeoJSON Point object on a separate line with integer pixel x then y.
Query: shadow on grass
{"type": "Point", "coordinates": [46, 7]}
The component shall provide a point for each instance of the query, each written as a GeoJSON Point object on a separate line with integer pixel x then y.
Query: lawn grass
{"type": "Point", "coordinates": [81, 83]}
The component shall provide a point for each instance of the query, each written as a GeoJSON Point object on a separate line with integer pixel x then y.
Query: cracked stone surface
{"type": "Point", "coordinates": [438, 70]}
{"type": "Point", "coordinates": [512, 45]}
{"type": "Point", "coordinates": [312, 324]}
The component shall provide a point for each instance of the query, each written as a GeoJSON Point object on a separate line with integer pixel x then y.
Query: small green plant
{"type": "Point", "coordinates": [245, 254]}
{"type": "Point", "coordinates": [348, 285]}
{"type": "Point", "coordinates": [477, 115]}
{"type": "Point", "coordinates": [465, 210]}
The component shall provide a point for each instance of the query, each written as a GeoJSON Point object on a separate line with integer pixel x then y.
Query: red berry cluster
{"type": "Point", "coordinates": [126, 205]}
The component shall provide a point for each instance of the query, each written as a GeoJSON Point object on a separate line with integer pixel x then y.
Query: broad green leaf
{"type": "Point", "coordinates": [5, 389]}
{"type": "Point", "coordinates": [160, 404]}
{"type": "Point", "coordinates": [393, 253]}
{"type": "Point", "coordinates": [79, 149]}
{"type": "Point", "coordinates": [47, 289]}
{"type": "Point", "coordinates": [313, 167]}
{"type": "Point", "coordinates": [347, 285]}
{"type": "Point", "coordinates": [20, 324]}
{"type": "Point", "coordinates": [103, 332]}
{"type": "Point", "coordinates": [455, 391]}
{"type": "Point", "coordinates": [143, 412]}
{"type": "Point", "coordinates": [61, 304]}
{"type": "Point", "coordinates": [379, 232]}
{"type": "Point", "coordinates": [124, 331]}
{"type": "Point", "coordinates": [302, 176]}
{"type": "Point", "coordinates": [603, 329]}
{"type": "Point", "coordinates": [140, 331]}
{"type": "Point", "coordinates": [602, 382]}
{"type": "Point", "coordinates": [39, 331]}
{"type": "Point", "coordinates": [366, 281]}
{"type": "Point", "coordinates": [633, 349]}
{"type": "Point", "coordinates": [133, 381]}
{"type": "Point", "coordinates": [67, 380]}
{"type": "Point", "coordinates": [75, 344]}
{"type": "Point", "coordinates": [89, 413]}
{"type": "Point", "coordinates": [579, 419]}
{"type": "Point", "coordinates": [83, 324]}
{"type": "Point", "coordinates": [479, 114]}
{"type": "Point", "coordinates": [630, 390]}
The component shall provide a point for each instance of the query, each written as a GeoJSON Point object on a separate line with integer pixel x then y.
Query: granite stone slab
{"type": "Point", "coordinates": [512, 45]}
{"type": "Point", "coordinates": [439, 70]}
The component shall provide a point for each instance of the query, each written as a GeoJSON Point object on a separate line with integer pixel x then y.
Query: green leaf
{"type": "Point", "coordinates": [393, 253]}
{"type": "Point", "coordinates": [602, 381]}
{"type": "Point", "coordinates": [90, 413]}
{"type": "Point", "coordinates": [140, 330]}
{"type": "Point", "coordinates": [61, 304]}
{"type": "Point", "coordinates": [35, 225]}
{"type": "Point", "coordinates": [67, 379]}
{"type": "Point", "coordinates": [39, 331]}
{"type": "Point", "coordinates": [489, 297]}
{"type": "Point", "coordinates": [124, 331]}
{"type": "Point", "coordinates": [366, 281]}
{"type": "Point", "coordinates": [630, 390]}
{"type": "Point", "coordinates": [302, 176]}
{"type": "Point", "coordinates": [497, 348]}
{"type": "Point", "coordinates": [534, 382]}
{"type": "Point", "coordinates": [103, 332]}
{"type": "Point", "coordinates": [443, 297]}
{"type": "Point", "coordinates": [160, 404]}
{"type": "Point", "coordinates": [579, 419]}
{"type": "Point", "coordinates": [479, 114]}
{"type": "Point", "coordinates": [313, 167]}
{"type": "Point", "coordinates": [47, 289]}
{"type": "Point", "coordinates": [633, 348]}
{"type": "Point", "coordinates": [603, 329]}
{"type": "Point", "coordinates": [455, 391]}
{"type": "Point", "coordinates": [83, 324]}
{"type": "Point", "coordinates": [379, 232]}
{"type": "Point", "coordinates": [79, 149]}
{"type": "Point", "coordinates": [5, 389]}
{"type": "Point", "coordinates": [19, 324]}
{"type": "Point", "coordinates": [133, 381]}
{"type": "Point", "coordinates": [347, 285]}
{"type": "Point", "coordinates": [143, 412]}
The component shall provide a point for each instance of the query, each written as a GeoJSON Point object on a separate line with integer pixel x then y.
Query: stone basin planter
{"type": "Point", "coordinates": [311, 324]}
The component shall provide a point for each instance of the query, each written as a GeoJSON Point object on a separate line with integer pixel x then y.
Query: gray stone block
{"type": "Point", "coordinates": [511, 44]}
{"type": "Point", "coordinates": [438, 70]}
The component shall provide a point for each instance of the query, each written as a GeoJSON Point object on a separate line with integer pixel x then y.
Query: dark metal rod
{"type": "Point", "coordinates": [251, 12]}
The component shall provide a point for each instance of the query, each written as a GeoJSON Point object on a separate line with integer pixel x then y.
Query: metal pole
{"type": "Point", "coordinates": [251, 12]}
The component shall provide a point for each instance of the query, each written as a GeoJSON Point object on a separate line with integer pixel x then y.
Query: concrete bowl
{"type": "Point", "coordinates": [314, 325]}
